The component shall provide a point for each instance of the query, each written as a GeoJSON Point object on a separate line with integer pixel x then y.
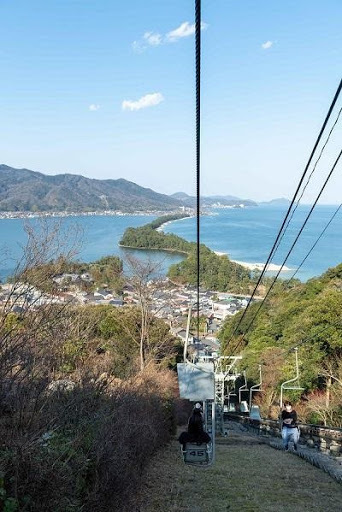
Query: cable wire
{"type": "Point", "coordinates": [295, 241]}
{"type": "Point", "coordinates": [291, 205]}
{"type": "Point", "coordinates": [309, 179]}
{"type": "Point", "coordinates": [316, 242]}
{"type": "Point", "coordinates": [198, 146]}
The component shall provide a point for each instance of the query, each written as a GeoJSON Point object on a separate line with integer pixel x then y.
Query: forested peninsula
{"type": "Point", "coordinates": [216, 272]}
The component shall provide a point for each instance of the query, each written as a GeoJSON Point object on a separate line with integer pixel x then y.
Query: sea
{"type": "Point", "coordinates": [245, 234]}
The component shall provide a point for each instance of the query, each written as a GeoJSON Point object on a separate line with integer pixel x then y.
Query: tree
{"type": "Point", "coordinates": [143, 276]}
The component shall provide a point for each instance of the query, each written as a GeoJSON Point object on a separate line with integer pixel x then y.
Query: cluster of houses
{"type": "Point", "coordinates": [173, 302]}
{"type": "Point", "coordinates": [173, 306]}
{"type": "Point", "coordinates": [168, 301]}
{"type": "Point", "coordinates": [21, 296]}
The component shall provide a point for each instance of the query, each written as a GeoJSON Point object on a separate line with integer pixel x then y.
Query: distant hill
{"type": "Point", "coordinates": [25, 190]}
{"type": "Point", "coordinates": [212, 200]}
{"type": "Point", "coordinates": [281, 201]}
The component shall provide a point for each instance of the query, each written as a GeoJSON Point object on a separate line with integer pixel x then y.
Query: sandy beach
{"type": "Point", "coordinates": [171, 221]}
{"type": "Point", "coordinates": [272, 267]}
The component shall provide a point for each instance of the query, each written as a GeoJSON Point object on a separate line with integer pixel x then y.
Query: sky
{"type": "Point", "coordinates": [106, 89]}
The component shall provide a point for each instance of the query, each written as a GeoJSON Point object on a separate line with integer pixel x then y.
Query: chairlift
{"type": "Point", "coordinates": [203, 386]}
{"type": "Point", "coordinates": [244, 406]}
{"type": "Point", "coordinates": [230, 404]}
{"type": "Point", "coordinates": [243, 388]}
{"type": "Point", "coordinates": [255, 388]}
{"type": "Point", "coordinates": [285, 385]}
{"type": "Point", "coordinates": [197, 383]}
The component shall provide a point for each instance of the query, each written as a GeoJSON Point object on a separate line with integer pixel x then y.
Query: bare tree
{"type": "Point", "coordinates": [145, 278]}
{"type": "Point", "coordinates": [30, 312]}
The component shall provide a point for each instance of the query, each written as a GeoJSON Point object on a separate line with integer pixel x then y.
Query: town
{"type": "Point", "coordinates": [166, 300]}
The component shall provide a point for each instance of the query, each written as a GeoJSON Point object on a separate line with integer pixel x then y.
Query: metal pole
{"type": "Point", "coordinates": [244, 387]}
{"type": "Point", "coordinates": [256, 387]}
{"type": "Point", "coordinates": [185, 351]}
{"type": "Point", "coordinates": [291, 380]}
{"type": "Point", "coordinates": [213, 428]}
{"type": "Point", "coordinates": [205, 415]}
{"type": "Point", "coordinates": [297, 367]}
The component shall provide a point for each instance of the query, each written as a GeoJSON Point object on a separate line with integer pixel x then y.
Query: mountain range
{"type": "Point", "coordinates": [23, 190]}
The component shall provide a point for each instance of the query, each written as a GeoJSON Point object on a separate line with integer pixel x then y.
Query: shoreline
{"type": "Point", "coordinates": [173, 251]}
{"type": "Point", "coordinates": [176, 220]}
{"type": "Point", "coordinates": [99, 213]}
{"type": "Point", "coordinates": [272, 267]}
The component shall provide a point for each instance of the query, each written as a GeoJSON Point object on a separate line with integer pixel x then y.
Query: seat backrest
{"type": "Point", "coordinates": [195, 453]}
{"type": "Point", "coordinates": [255, 413]}
{"type": "Point", "coordinates": [244, 406]}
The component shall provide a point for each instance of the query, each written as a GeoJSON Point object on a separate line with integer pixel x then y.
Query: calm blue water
{"type": "Point", "coordinates": [101, 236]}
{"type": "Point", "coordinates": [245, 234]}
{"type": "Point", "coordinates": [248, 235]}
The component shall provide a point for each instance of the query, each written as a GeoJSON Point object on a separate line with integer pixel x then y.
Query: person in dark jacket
{"type": "Point", "coordinates": [289, 431]}
{"type": "Point", "coordinates": [195, 432]}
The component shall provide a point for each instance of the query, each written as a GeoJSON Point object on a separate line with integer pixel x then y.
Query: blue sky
{"type": "Point", "coordinates": [269, 72]}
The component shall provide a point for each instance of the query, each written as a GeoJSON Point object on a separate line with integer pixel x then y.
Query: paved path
{"type": "Point", "coordinates": [248, 476]}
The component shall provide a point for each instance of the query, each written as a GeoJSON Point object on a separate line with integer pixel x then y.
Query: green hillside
{"type": "Point", "coordinates": [25, 190]}
{"type": "Point", "coordinates": [306, 315]}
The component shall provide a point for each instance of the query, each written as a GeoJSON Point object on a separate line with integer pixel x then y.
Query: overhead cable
{"type": "Point", "coordinates": [290, 207]}
{"type": "Point", "coordinates": [295, 241]}
{"type": "Point", "coordinates": [299, 267]}
{"type": "Point", "coordinates": [308, 180]}
{"type": "Point", "coordinates": [316, 242]}
{"type": "Point", "coordinates": [198, 146]}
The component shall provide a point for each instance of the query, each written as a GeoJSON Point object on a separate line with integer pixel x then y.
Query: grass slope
{"type": "Point", "coordinates": [248, 476]}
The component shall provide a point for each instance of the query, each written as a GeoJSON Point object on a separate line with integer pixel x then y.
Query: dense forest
{"type": "Point", "coordinates": [303, 315]}
{"type": "Point", "coordinates": [216, 272]}
{"type": "Point", "coordinates": [147, 237]}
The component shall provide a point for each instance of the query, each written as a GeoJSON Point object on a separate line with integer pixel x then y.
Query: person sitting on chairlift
{"type": "Point", "coordinates": [196, 432]}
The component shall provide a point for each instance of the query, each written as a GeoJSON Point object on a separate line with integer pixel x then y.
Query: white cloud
{"type": "Point", "coordinates": [267, 45]}
{"type": "Point", "coordinates": [156, 39]}
{"type": "Point", "coordinates": [94, 107]}
{"type": "Point", "coordinates": [149, 100]}
{"type": "Point", "coordinates": [138, 47]}
{"type": "Point", "coordinates": [148, 39]}
{"type": "Point", "coordinates": [184, 30]}
{"type": "Point", "coordinates": [153, 39]}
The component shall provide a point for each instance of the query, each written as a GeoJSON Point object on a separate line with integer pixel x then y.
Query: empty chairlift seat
{"type": "Point", "coordinates": [255, 418]}
{"type": "Point", "coordinates": [244, 407]}
{"type": "Point", "coordinates": [255, 413]}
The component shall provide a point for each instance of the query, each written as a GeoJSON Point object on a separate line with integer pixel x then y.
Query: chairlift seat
{"type": "Point", "coordinates": [255, 413]}
{"type": "Point", "coordinates": [197, 454]}
{"type": "Point", "coordinates": [244, 406]}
